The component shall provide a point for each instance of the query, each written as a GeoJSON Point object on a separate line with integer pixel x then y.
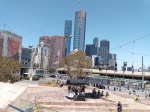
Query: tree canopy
{"type": "Point", "coordinates": [75, 63]}
{"type": "Point", "coordinates": [8, 67]}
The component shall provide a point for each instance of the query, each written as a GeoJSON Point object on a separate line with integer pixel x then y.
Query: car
{"type": "Point", "coordinates": [53, 76]}
{"type": "Point", "coordinates": [35, 77]}
{"type": "Point", "coordinates": [100, 86]}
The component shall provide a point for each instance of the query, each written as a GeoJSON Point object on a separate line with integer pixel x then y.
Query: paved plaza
{"type": "Point", "coordinates": [54, 99]}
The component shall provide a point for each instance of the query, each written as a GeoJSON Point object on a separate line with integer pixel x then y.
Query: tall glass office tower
{"type": "Point", "coordinates": [68, 36]}
{"type": "Point", "coordinates": [104, 51]}
{"type": "Point", "coordinates": [95, 42]}
{"type": "Point", "coordinates": [79, 30]}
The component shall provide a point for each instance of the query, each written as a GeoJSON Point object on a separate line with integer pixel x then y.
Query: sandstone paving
{"type": "Point", "coordinates": [55, 95]}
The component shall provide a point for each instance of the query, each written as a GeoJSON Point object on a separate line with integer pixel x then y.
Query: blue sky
{"type": "Point", "coordinates": [119, 21]}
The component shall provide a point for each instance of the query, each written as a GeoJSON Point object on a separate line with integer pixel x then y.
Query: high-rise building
{"type": "Point", "coordinates": [10, 45]}
{"type": "Point", "coordinates": [68, 36]}
{"type": "Point", "coordinates": [79, 30]}
{"type": "Point", "coordinates": [112, 60]}
{"type": "Point", "coordinates": [95, 42]}
{"type": "Point", "coordinates": [90, 50]}
{"type": "Point", "coordinates": [57, 46]}
{"type": "Point", "coordinates": [104, 51]}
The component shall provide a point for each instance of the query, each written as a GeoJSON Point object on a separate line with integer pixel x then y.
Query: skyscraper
{"type": "Point", "coordinates": [104, 51]}
{"type": "Point", "coordinates": [79, 30]}
{"type": "Point", "coordinates": [112, 60]}
{"type": "Point", "coordinates": [67, 34]}
{"type": "Point", "coordinates": [95, 42]}
{"type": "Point", "coordinates": [90, 50]}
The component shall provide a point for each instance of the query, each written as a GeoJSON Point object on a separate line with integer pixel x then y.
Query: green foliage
{"type": "Point", "coordinates": [8, 67]}
{"type": "Point", "coordinates": [51, 70]}
{"type": "Point", "coordinates": [35, 65]}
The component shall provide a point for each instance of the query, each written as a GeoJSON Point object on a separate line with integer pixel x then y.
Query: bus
{"type": "Point", "coordinates": [40, 72]}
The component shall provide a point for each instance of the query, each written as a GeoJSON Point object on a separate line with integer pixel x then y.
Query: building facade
{"type": "Point", "coordinates": [68, 36]}
{"type": "Point", "coordinates": [10, 45]}
{"type": "Point", "coordinates": [44, 39]}
{"type": "Point", "coordinates": [41, 55]}
{"type": "Point", "coordinates": [90, 50]}
{"type": "Point", "coordinates": [95, 42]}
{"type": "Point", "coordinates": [79, 30]}
{"type": "Point", "coordinates": [97, 61]}
{"type": "Point", "coordinates": [112, 60]}
{"type": "Point", "coordinates": [26, 54]}
{"type": "Point", "coordinates": [104, 51]}
{"type": "Point", "coordinates": [57, 46]}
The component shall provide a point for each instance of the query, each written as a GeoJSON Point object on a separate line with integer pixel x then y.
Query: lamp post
{"type": "Point", "coordinates": [142, 76]}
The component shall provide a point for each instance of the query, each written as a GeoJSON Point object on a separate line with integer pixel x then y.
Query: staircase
{"type": "Point", "coordinates": [81, 106]}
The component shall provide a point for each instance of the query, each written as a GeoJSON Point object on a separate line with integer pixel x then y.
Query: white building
{"type": "Point", "coordinates": [42, 55]}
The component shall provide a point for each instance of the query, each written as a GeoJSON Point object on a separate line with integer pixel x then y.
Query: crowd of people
{"type": "Point", "coordinates": [99, 93]}
{"type": "Point", "coordinates": [75, 91]}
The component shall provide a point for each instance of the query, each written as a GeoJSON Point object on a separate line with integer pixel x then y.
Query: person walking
{"type": "Point", "coordinates": [119, 107]}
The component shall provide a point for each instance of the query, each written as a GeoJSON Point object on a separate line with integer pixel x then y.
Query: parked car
{"type": "Point", "coordinates": [35, 77]}
{"type": "Point", "coordinates": [53, 76]}
{"type": "Point", "coordinates": [100, 86]}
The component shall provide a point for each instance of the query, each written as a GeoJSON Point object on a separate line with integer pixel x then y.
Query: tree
{"type": "Point", "coordinates": [35, 65]}
{"type": "Point", "coordinates": [8, 68]}
{"type": "Point", "coordinates": [51, 70]}
{"type": "Point", "coordinates": [75, 63]}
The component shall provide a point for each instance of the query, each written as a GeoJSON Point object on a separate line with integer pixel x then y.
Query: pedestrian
{"type": "Point", "coordinates": [128, 87]}
{"type": "Point", "coordinates": [146, 95]}
{"type": "Point", "coordinates": [114, 89]}
{"type": "Point", "coordinates": [120, 89]}
{"type": "Point", "coordinates": [76, 94]}
{"type": "Point", "coordinates": [108, 87]}
{"type": "Point", "coordinates": [119, 107]}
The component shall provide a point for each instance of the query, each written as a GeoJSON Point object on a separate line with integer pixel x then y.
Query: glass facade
{"type": "Point", "coordinates": [91, 50]}
{"type": "Point", "coordinates": [67, 34]}
{"type": "Point", "coordinates": [79, 30]}
{"type": "Point", "coordinates": [95, 42]}
{"type": "Point", "coordinates": [104, 51]}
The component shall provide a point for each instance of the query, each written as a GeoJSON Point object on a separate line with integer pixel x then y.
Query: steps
{"type": "Point", "coordinates": [80, 106]}
{"type": "Point", "coordinates": [74, 106]}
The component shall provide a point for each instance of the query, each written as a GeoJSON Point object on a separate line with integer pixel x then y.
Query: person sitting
{"type": "Point", "coordinates": [136, 97]}
{"type": "Point", "coordinates": [94, 91]}
{"type": "Point", "coordinates": [102, 93]}
{"type": "Point", "coordinates": [98, 93]}
{"type": "Point", "coordinates": [76, 94]}
{"type": "Point", "coordinates": [60, 84]}
{"type": "Point", "coordinates": [106, 95]}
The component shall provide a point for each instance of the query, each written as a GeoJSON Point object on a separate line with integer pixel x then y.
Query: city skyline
{"type": "Point", "coordinates": [120, 22]}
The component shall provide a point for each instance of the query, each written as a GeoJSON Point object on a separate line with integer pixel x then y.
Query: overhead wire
{"type": "Point", "coordinates": [133, 52]}
{"type": "Point", "coordinates": [131, 42]}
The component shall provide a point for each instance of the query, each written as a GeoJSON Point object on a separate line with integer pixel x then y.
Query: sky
{"type": "Point", "coordinates": [125, 23]}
